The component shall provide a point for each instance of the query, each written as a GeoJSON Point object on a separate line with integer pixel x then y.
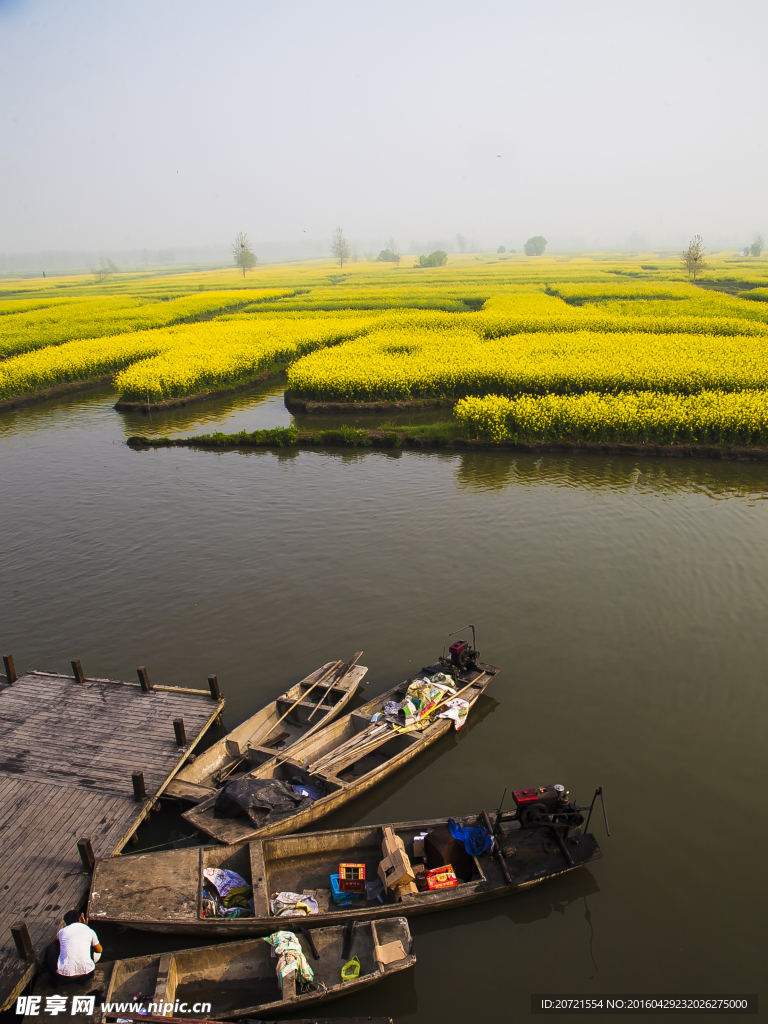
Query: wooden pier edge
{"type": "Point", "coordinates": [151, 801]}
{"type": "Point", "coordinates": [122, 682]}
{"type": "Point", "coordinates": [84, 803]}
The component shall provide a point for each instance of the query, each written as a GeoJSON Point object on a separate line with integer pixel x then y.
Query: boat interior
{"type": "Point", "coordinates": [267, 733]}
{"type": "Point", "coordinates": [242, 975]}
{"type": "Point", "coordinates": [304, 864]}
{"type": "Point", "coordinates": [295, 863]}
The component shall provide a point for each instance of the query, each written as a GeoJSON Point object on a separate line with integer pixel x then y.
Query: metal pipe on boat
{"type": "Point", "coordinates": [497, 850]}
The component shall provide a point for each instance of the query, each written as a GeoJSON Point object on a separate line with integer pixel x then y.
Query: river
{"type": "Point", "coordinates": [624, 599]}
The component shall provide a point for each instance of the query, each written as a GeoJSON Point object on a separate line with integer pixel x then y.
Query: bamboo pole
{"type": "Point", "coordinates": [351, 744]}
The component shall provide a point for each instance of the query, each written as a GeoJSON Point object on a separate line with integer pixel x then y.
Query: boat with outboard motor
{"type": "Point", "coordinates": [171, 891]}
{"type": "Point", "coordinates": [324, 771]}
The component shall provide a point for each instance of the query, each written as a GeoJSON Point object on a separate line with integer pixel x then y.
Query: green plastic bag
{"type": "Point", "coordinates": [351, 970]}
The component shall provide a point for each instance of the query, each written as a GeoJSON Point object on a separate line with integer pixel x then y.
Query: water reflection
{"type": "Point", "coordinates": [496, 471]}
{"type": "Point", "coordinates": [552, 896]}
{"type": "Point", "coordinates": [264, 407]}
{"type": "Point", "coordinates": [255, 409]}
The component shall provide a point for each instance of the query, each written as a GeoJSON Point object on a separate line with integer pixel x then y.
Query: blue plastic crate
{"type": "Point", "coordinates": [343, 899]}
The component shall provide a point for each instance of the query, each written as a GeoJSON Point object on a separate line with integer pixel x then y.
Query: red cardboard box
{"type": "Point", "coordinates": [352, 877]}
{"type": "Point", "coordinates": [440, 878]}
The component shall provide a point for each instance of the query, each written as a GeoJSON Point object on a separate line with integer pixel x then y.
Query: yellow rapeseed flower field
{"type": "Point", "coordinates": [62, 321]}
{"type": "Point", "coordinates": [710, 417]}
{"type": "Point", "coordinates": [404, 362]}
{"type": "Point", "coordinates": [604, 332]}
{"type": "Point", "coordinates": [217, 355]}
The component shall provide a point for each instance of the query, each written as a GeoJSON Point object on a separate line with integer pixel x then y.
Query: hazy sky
{"type": "Point", "coordinates": [179, 122]}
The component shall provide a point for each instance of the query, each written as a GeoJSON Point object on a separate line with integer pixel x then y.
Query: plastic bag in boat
{"type": "Point", "coordinates": [457, 708]}
{"type": "Point", "coordinates": [261, 800]}
{"type": "Point", "coordinates": [474, 840]}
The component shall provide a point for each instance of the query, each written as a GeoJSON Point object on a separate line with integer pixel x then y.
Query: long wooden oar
{"type": "Point", "coordinates": [325, 675]}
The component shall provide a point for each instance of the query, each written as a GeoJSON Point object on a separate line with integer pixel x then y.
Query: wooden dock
{"type": "Point", "coordinates": [70, 755]}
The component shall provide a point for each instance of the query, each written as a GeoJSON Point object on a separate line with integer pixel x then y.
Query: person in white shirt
{"type": "Point", "coordinates": [76, 943]}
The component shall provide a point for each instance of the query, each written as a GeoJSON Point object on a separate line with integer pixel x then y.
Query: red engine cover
{"type": "Point", "coordinates": [525, 796]}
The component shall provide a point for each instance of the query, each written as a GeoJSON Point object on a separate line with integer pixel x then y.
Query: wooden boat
{"type": "Point", "coordinates": [239, 979]}
{"type": "Point", "coordinates": [172, 900]}
{"type": "Point", "coordinates": [302, 710]}
{"type": "Point", "coordinates": [346, 758]}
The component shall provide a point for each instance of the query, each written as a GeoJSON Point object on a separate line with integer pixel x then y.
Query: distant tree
{"type": "Point", "coordinates": [242, 253]}
{"type": "Point", "coordinates": [756, 249]}
{"type": "Point", "coordinates": [438, 258]}
{"type": "Point", "coordinates": [388, 256]}
{"type": "Point", "coordinates": [501, 248]}
{"type": "Point", "coordinates": [511, 250]}
{"type": "Point", "coordinates": [693, 257]}
{"type": "Point", "coordinates": [355, 255]}
{"type": "Point", "coordinates": [535, 246]}
{"type": "Point", "coordinates": [462, 242]}
{"type": "Point", "coordinates": [105, 269]}
{"type": "Point", "coordinates": [340, 246]}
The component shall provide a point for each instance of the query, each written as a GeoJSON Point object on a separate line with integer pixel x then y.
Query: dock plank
{"type": "Point", "coordinates": [67, 756]}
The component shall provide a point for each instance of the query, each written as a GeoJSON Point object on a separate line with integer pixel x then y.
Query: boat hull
{"type": "Point", "coordinates": [172, 900]}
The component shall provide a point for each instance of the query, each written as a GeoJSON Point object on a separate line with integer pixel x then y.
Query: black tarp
{"type": "Point", "coordinates": [261, 800]}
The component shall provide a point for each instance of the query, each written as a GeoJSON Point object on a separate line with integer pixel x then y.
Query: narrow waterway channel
{"type": "Point", "coordinates": [625, 600]}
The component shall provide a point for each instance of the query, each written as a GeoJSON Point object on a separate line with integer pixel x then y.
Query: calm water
{"type": "Point", "coordinates": [624, 599]}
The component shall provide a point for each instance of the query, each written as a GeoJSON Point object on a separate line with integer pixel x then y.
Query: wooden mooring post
{"type": "Point", "coordinates": [139, 790]}
{"type": "Point", "coordinates": [87, 855]}
{"type": "Point", "coordinates": [143, 675]}
{"type": "Point", "coordinates": [10, 671]}
{"type": "Point", "coordinates": [77, 668]}
{"type": "Point", "coordinates": [180, 732]}
{"type": "Point", "coordinates": [213, 684]}
{"type": "Point", "coordinates": [22, 940]}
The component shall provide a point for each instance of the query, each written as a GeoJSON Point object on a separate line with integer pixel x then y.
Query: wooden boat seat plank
{"type": "Point", "coordinates": [191, 791]}
{"type": "Point", "coordinates": [146, 886]}
{"type": "Point", "coordinates": [165, 988]}
{"type": "Point", "coordinates": [259, 879]}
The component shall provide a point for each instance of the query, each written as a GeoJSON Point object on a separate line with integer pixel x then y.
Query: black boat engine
{"type": "Point", "coordinates": [462, 655]}
{"type": "Point", "coordinates": [546, 805]}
